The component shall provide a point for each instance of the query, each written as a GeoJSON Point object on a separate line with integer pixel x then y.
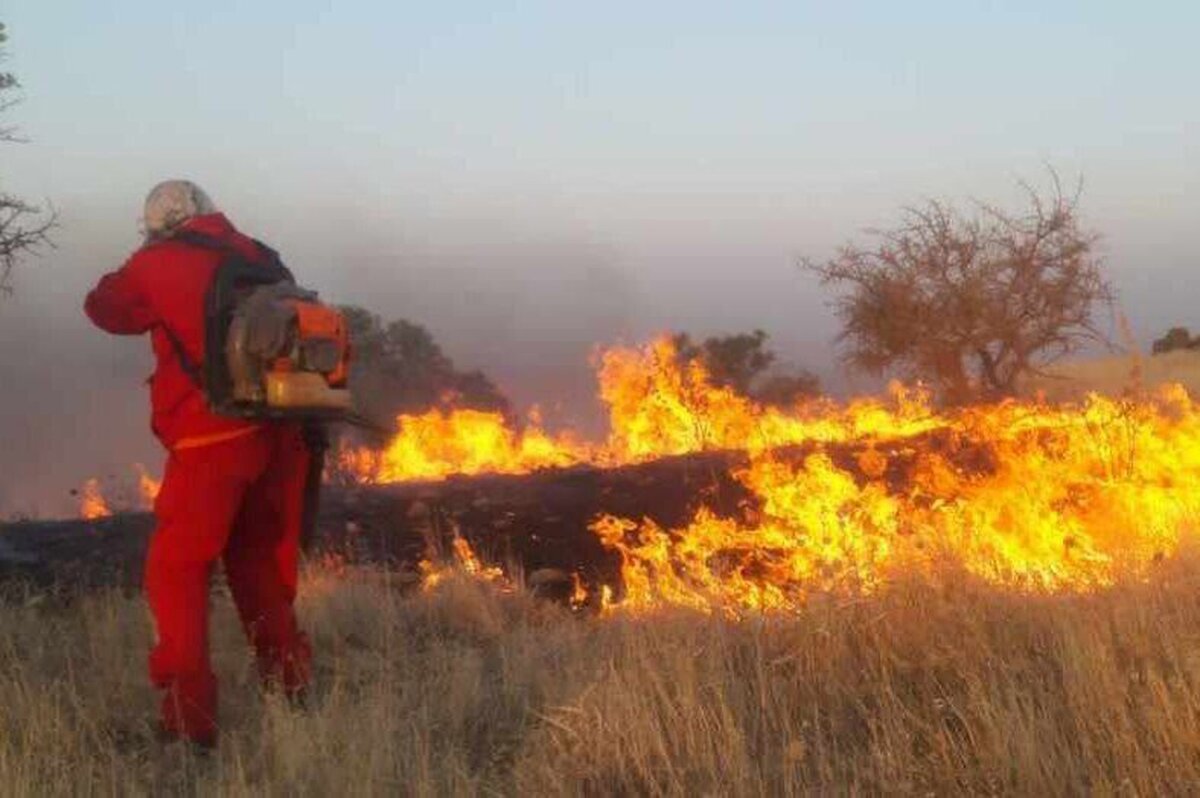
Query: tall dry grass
{"type": "Point", "coordinates": [1115, 376]}
{"type": "Point", "coordinates": [950, 689]}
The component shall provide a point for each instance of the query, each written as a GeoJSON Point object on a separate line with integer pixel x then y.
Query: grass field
{"type": "Point", "coordinates": [1116, 375]}
{"type": "Point", "coordinates": [466, 690]}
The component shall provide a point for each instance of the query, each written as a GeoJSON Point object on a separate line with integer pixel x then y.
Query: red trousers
{"type": "Point", "coordinates": [240, 500]}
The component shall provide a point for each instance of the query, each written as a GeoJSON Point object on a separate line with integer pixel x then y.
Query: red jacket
{"type": "Point", "coordinates": [164, 283]}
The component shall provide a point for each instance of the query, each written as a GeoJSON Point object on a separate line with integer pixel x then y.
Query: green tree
{"type": "Point", "coordinates": [784, 390]}
{"type": "Point", "coordinates": [24, 228]}
{"type": "Point", "coordinates": [971, 302]}
{"type": "Point", "coordinates": [743, 362]}
{"type": "Point", "coordinates": [732, 360]}
{"type": "Point", "coordinates": [399, 368]}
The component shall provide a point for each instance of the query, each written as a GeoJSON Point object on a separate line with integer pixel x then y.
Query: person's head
{"type": "Point", "coordinates": [170, 204]}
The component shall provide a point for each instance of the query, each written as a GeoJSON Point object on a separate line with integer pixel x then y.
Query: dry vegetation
{"type": "Point", "coordinates": [1114, 376]}
{"type": "Point", "coordinates": [464, 690]}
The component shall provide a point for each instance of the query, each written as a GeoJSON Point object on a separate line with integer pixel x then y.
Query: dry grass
{"type": "Point", "coordinates": [948, 689]}
{"type": "Point", "coordinates": [1114, 376]}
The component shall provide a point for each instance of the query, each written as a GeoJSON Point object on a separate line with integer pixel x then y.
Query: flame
{"type": "Point", "coordinates": [657, 408]}
{"type": "Point", "coordinates": [1021, 495]}
{"type": "Point", "coordinates": [148, 487]}
{"type": "Point", "coordinates": [1074, 498]}
{"type": "Point", "coordinates": [93, 504]}
{"type": "Point", "coordinates": [91, 501]}
{"type": "Point", "coordinates": [440, 443]}
{"type": "Point", "coordinates": [579, 593]}
{"type": "Point", "coordinates": [463, 560]}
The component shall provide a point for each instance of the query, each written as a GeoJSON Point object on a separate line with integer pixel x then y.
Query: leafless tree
{"type": "Point", "coordinates": [971, 302]}
{"type": "Point", "coordinates": [24, 227]}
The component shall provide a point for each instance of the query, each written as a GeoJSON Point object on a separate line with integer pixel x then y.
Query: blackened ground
{"type": "Point", "coordinates": [532, 523]}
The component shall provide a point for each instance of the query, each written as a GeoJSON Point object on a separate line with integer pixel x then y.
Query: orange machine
{"type": "Point", "coordinates": [286, 355]}
{"type": "Point", "coordinates": [272, 349]}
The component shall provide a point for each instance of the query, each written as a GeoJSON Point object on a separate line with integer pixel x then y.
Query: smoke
{"type": "Point", "coordinates": [528, 308]}
{"type": "Point", "coordinates": [526, 304]}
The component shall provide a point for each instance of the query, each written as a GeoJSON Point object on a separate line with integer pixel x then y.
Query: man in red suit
{"type": "Point", "coordinates": [233, 489]}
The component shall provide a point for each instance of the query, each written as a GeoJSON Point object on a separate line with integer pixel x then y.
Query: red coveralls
{"type": "Point", "coordinates": [232, 489]}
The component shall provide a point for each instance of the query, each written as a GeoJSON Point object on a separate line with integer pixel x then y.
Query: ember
{"type": "Point", "coordinates": [464, 560]}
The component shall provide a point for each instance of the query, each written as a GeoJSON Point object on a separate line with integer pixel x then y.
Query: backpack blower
{"type": "Point", "coordinates": [272, 352]}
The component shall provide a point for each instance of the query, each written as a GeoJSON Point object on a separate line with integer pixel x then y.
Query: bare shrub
{"type": "Point", "coordinates": [24, 227]}
{"type": "Point", "coordinates": [973, 302]}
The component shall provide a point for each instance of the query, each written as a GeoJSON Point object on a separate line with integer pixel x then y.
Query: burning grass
{"type": "Point", "coordinates": [471, 687]}
{"type": "Point", "coordinates": [1061, 498]}
{"type": "Point", "coordinates": [1036, 496]}
{"type": "Point", "coordinates": [1004, 599]}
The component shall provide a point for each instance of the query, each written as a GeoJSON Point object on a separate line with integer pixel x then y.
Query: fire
{"type": "Point", "coordinates": [840, 498]}
{"type": "Point", "coordinates": [148, 486]}
{"type": "Point", "coordinates": [464, 560]}
{"type": "Point", "coordinates": [440, 443]}
{"type": "Point", "coordinates": [93, 504]}
{"type": "Point", "coordinates": [657, 408]}
{"type": "Point", "coordinates": [91, 501]}
{"type": "Point", "coordinates": [1021, 495]}
{"type": "Point", "coordinates": [1074, 498]}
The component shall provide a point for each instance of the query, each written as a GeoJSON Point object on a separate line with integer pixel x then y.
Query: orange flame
{"type": "Point", "coordinates": [657, 407]}
{"type": "Point", "coordinates": [148, 486]}
{"type": "Point", "coordinates": [91, 502]}
{"type": "Point", "coordinates": [440, 443]}
{"type": "Point", "coordinates": [1076, 498]}
{"type": "Point", "coordinates": [1070, 497]}
{"type": "Point", "coordinates": [464, 560]}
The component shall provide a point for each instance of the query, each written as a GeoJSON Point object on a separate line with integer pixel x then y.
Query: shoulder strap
{"type": "Point", "coordinates": [201, 240]}
{"type": "Point", "coordinates": [185, 360]}
{"type": "Point", "coordinates": [269, 255]}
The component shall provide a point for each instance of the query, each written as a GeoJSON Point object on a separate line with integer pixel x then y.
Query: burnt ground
{"type": "Point", "coordinates": [534, 523]}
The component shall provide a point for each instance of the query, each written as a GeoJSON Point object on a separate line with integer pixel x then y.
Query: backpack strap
{"type": "Point", "coordinates": [185, 360]}
{"type": "Point", "coordinates": [201, 240]}
{"type": "Point", "coordinates": [269, 255]}
{"type": "Point", "coordinates": [271, 261]}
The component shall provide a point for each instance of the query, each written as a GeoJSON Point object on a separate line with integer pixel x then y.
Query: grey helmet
{"type": "Point", "coordinates": [170, 204]}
